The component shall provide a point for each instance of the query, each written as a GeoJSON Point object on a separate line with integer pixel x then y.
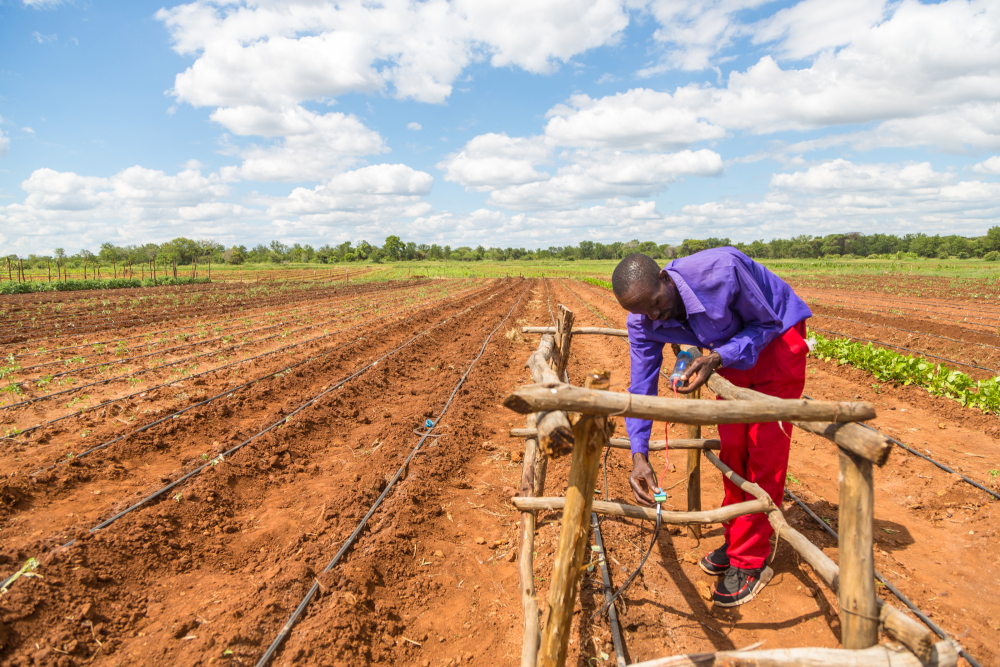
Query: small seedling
{"type": "Point", "coordinates": [791, 479]}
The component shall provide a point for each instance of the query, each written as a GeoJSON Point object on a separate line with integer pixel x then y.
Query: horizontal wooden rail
{"type": "Point", "coordinates": [625, 443]}
{"type": "Point", "coordinates": [869, 445]}
{"type": "Point", "coordinates": [909, 632]}
{"type": "Point", "coordinates": [727, 513]}
{"type": "Point", "coordinates": [876, 656]}
{"type": "Point", "coordinates": [536, 398]}
{"type": "Point", "coordinates": [578, 331]}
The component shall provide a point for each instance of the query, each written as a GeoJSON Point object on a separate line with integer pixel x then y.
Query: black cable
{"type": "Point", "coordinates": [280, 422]}
{"type": "Point", "coordinates": [895, 591]}
{"type": "Point", "coordinates": [926, 458]}
{"type": "Point", "coordinates": [616, 633]}
{"type": "Point", "coordinates": [287, 627]}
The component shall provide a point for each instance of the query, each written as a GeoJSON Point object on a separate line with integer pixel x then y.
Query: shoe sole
{"type": "Point", "coordinates": [707, 570]}
{"type": "Point", "coordinates": [765, 578]}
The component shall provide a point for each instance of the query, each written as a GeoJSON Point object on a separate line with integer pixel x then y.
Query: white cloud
{"type": "Point", "coordinates": [309, 147]}
{"type": "Point", "coordinates": [414, 126]}
{"type": "Point", "coordinates": [44, 39]}
{"type": "Point", "coordinates": [495, 160]}
{"type": "Point", "coordinates": [4, 142]}
{"type": "Point", "coordinates": [602, 175]}
{"type": "Point", "coordinates": [811, 26]}
{"type": "Point", "coordinates": [639, 118]}
{"type": "Point", "coordinates": [988, 166]}
{"type": "Point", "coordinates": [281, 55]}
{"type": "Point", "coordinates": [42, 4]}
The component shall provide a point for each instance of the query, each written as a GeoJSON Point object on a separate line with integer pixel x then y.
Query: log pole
{"type": "Point", "coordinates": [694, 474]}
{"type": "Point", "coordinates": [703, 517]}
{"type": "Point", "coordinates": [590, 436]}
{"type": "Point", "coordinates": [858, 609]}
{"type": "Point", "coordinates": [536, 398]}
{"type": "Point", "coordinates": [866, 443]}
{"type": "Point", "coordinates": [555, 434]}
{"type": "Point", "coordinates": [625, 443]}
{"type": "Point", "coordinates": [526, 570]}
{"type": "Point", "coordinates": [945, 655]}
{"type": "Point", "coordinates": [564, 338]}
{"type": "Point", "coordinates": [578, 331]}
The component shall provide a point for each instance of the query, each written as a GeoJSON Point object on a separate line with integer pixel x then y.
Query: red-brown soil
{"type": "Point", "coordinates": [209, 574]}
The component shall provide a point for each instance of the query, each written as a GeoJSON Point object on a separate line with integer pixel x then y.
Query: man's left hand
{"type": "Point", "coordinates": [699, 372]}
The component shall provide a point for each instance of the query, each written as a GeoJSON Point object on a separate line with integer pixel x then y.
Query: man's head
{"type": "Point", "coordinates": [641, 289]}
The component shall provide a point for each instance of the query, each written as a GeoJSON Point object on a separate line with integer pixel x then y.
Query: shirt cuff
{"type": "Point", "coordinates": [640, 448]}
{"type": "Point", "coordinates": [729, 353]}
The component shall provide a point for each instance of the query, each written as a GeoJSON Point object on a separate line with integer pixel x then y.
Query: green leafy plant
{"type": "Point", "coordinates": [7, 373]}
{"type": "Point", "coordinates": [889, 366]}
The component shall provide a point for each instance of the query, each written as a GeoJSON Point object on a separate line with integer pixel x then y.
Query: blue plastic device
{"type": "Point", "coordinates": [684, 359]}
{"type": "Point", "coordinates": [429, 423]}
{"type": "Point", "coordinates": [660, 496]}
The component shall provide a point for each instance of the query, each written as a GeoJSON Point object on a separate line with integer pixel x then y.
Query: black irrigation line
{"type": "Point", "coordinates": [298, 311]}
{"type": "Point", "coordinates": [155, 368]}
{"type": "Point", "coordinates": [908, 349]}
{"type": "Point", "coordinates": [180, 480]}
{"type": "Point", "coordinates": [919, 333]}
{"type": "Point", "coordinates": [895, 591]}
{"type": "Point", "coordinates": [244, 333]}
{"type": "Point", "coordinates": [156, 315]}
{"type": "Point", "coordinates": [211, 370]}
{"type": "Point", "coordinates": [595, 522]}
{"type": "Point", "coordinates": [926, 458]}
{"type": "Point", "coordinates": [281, 372]}
{"type": "Point", "coordinates": [349, 542]}
{"type": "Point", "coordinates": [888, 584]}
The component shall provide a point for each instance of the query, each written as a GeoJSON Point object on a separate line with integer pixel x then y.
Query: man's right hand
{"type": "Point", "coordinates": [642, 474]}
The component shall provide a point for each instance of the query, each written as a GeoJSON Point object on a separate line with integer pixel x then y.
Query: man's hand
{"type": "Point", "coordinates": [642, 475]}
{"type": "Point", "coordinates": [699, 372]}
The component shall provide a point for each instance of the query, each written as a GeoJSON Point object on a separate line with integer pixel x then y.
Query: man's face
{"type": "Point", "coordinates": [661, 303]}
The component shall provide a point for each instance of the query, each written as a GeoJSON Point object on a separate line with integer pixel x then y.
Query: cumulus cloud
{"type": "Point", "coordinates": [601, 175]}
{"type": "Point", "coordinates": [308, 146]}
{"type": "Point", "coordinates": [495, 160]}
{"type": "Point", "coordinates": [414, 126]}
{"type": "Point", "coordinates": [271, 55]}
{"type": "Point", "coordinates": [988, 166]}
{"type": "Point", "coordinates": [637, 119]}
{"type": "Point", "coordinates": [42, 4]}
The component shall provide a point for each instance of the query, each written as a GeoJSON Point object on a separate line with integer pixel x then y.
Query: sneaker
{"type": "Point", "coordinates": [740, 586]}
{"type": "Point", "coordinates": [716, 562]}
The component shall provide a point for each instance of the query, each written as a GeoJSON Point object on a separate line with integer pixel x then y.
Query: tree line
{"type": "Point", "coordinates": [855, 244]}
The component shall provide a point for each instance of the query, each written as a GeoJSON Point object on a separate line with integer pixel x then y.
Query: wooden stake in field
{"type": "Point", "coordinates": [564, 337]}
{"type": "Point", "coordinates": [48, 264]}
{"type": "Point", "coordinates": [590, 436]}
{"type": "Point", "coordinates": [858, 608]}
{"type": "Point", "coordinates": [693, 473]}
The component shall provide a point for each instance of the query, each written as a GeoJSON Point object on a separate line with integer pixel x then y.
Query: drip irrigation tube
{"type": "Point", "coordinates": [294, 313]}
{"type": "Point", "coordinates": [895, 591]}
{"type": "Point", "coordinates": [283, 420]}
{"type": "Point", "coordinates": [211, 370]}
{"type": "Point", "coordinates": [178, 361]}
{"type": "Point", "coordinates": [349, 542]}
{"type": "Point", "coordinates": [911, 331]}
{"type": "Point", "coordinates": [900, 347]}
{"type": "Point", "coordinates": [926, 458]}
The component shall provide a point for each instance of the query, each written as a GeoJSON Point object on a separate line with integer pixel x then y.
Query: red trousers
{"type": "Point", "coordinates": [759, 452]}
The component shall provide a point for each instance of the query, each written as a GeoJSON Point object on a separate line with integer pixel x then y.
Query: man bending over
{"type": "Point", "coordinates": [753, 326]}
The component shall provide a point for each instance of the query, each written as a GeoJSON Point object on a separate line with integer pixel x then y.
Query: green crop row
{"type": "Point", "coordinates": [606, 284]}
{"type": "Point", "coordinates": [889, 366]}
{"type": "Point", "coordinates": [110, 283]}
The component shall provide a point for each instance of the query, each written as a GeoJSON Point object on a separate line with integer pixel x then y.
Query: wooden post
{"type": "Point", "coordinates": [564, 337]}
{"type": "Point", "coordinates": [209, 268]}
{"type": "Point", "coordinates": [84, 268]}
{"type": "Point", "coordinates": [693, 474]}
{"type": "Point", "coordinates": [526, 570]}
{"type": "Point", "coordinates": [20, 272]}
{"type": "Point", "coordinates": [590, 435]}
{"type": "Point", "coordinates": [114, 268]}
{"type": "Point", "coordinates": [48, 264]}
{"type": "Point", "coordinates": [858, 609]}
{"type": "Point", "coordinates": [175, 268]}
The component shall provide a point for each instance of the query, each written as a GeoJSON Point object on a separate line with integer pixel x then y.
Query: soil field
{"type": "Point", "coordinates": [209, 570]}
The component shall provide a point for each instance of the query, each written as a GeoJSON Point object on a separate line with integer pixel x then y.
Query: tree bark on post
{"type": "Point", "coordinates": [49, 265]}
{"type": "Point", "coordinates": [564, 337]}
{"type": "Point", "coordinates": [858, 608]}
{"type": "Point", "coordinates": [529, 601]}
{"type": "Point", "coordinates": [590, 435]}
{"type": "Point", "coordinates": [694, 474]}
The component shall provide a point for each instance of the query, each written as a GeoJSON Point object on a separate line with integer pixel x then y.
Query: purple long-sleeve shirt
{"type": "Point", "coordinates": [735, 307]}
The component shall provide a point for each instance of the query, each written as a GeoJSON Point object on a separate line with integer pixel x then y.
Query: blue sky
{"type": "Point", "coordinates": [519, 122]}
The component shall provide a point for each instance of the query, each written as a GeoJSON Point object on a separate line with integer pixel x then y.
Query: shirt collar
{"type": "Point", "coordinates": [691, 302]}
